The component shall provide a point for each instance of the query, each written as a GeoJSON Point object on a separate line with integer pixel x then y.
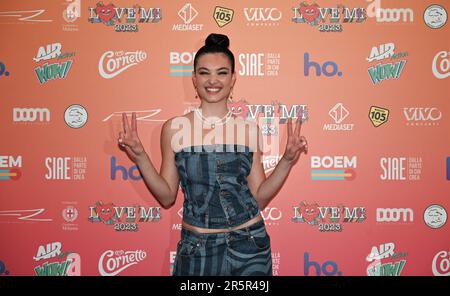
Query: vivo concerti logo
{"type": "Point", "coordinates": [112, 263]}
{"type": "Point", "coordinates": [112, 63]}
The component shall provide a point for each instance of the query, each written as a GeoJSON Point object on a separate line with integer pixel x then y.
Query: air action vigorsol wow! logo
{"type": "Point", "coordinates": [124, 19]}
{"type": "Point", "coordinates": [59, 67]}
{"type": "Point", "coordinates": [386, 71]}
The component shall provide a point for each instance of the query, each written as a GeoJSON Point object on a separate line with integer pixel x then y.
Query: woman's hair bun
{"type": "Point", "coordinates": [217, 40]}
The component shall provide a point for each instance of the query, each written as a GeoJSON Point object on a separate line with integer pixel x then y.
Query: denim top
{"type": "Point", "coordinates": [213, 180]}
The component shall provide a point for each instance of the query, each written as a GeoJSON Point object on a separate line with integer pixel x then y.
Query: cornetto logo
{"type": "Point", "coordinates": [441, 264]}
{"type": "Point", "coordinates": [112, 63]}
{"type": "Point", "coordinates": [441, 65]}
{"type": "Point", "coordinates": [31, 114]}
{"type": "Point", "coordinates": [112, 263]}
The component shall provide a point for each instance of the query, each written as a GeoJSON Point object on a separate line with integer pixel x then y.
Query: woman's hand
{"type": "Point", "coordinates": [296, 144]}
{"type": "Point", "coordinates": [129, 140]}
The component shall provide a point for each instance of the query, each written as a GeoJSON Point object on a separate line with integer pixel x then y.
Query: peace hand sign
{"type": "Point", "coordinates": [129, 139]}
{"type": "Point", "coordinates": [296, 144]}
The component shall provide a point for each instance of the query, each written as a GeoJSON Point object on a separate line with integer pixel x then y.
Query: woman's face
{"type": "Point", "coordinates": [213, 78]}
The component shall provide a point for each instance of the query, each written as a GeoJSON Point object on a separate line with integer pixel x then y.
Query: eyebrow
{"type": "Point", "coordinates": [222, 68]}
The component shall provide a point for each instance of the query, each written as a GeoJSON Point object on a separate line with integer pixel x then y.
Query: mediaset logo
{"type": "Point", "coordinates": [379, 266]}
{"type": "Point", "coordinates": [338, 113]}
{"type": "Point", "coordinates": [422, 116]}
{"type": "Point", "coordinates": [259, 64]}
{"type": "Point", "coordinates": [76, 116]}
{"type": "Point", "coordinates": [113, 63]}
{"type": "Point", "coordinates": [181, 63]}
{"type": "Point", "coordinates": [187, 13]}
{"type": "Point", "coordinates": [441, 65]}
{"type": "Point", "coordinates": [3, 71]}
{"type": "Point", "coordinates": [112, 263]}
{"type": "Point", "coordinates": [10, 167]}
{"type": "Point", "coordinates": [386, 70]}
{"type": "Point", "coordinates": [123, 218]}
{"type": "Point", "coordinates": [389, 15]}
{"type": "Point", "coordinates": [123, 19]}
{"type": "Point", "coordinates": [333, 168]}
{"type": "Point", "coordinates": [328, 218]}
{"type": "Point", "coordinates": [31, 115]}
{"type": "Point", "coordinates": [66, 168]}
{"type": "Point", "coordinates": [393, 215]}
{"type": "Point", "coordinates": [24, 17]}
{"type": "Point", "coordinates": [69, 266]}
{"type": "Point", "coordinates": [262, 16]}
{"type": "Point", "coordinates": [328, 19]}
{"type": "Point", "coordinates": [401, 168]}
{"type": "Point", "coordinates": [435, 16]}
{"type": "Point", "coordinates": [60, 66]}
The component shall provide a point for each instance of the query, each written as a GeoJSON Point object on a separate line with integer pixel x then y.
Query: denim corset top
{"type": "Point", "coordinates": [213, 179]}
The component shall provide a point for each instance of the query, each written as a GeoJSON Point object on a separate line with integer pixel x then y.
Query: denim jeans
{"type": "Point", "coordinates": [245, 251]}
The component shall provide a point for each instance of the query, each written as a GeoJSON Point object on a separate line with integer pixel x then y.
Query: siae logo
{"type": "Point", "coordinates": [328, 268]}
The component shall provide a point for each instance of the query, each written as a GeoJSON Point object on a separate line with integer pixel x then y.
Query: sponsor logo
{"type": "Point", "coordinates": [389, 15]}
{"type": "Point", "coordinates": [23, 16]}
{"type": "Point", "coordinates": [334, 168]}
{"type": "Point", "coordinates": [272, 216]}
{"type": "Point", "coordinates": [3, 70]}
{"type": "Point", "coordinates": [328, 218]}
{"type": "Point", "coordinates": [259, 64]}
{"type": "Point", "coordinates": [51, 71]}
{"type": "Point", "coordinates": [11, 216]}
{"type": "Point", "coordinates": [112, 263]}
{"type": "Point", "coordinates": [440, 265]}
{"type": "Point", "coordinates": [181, 63]}
{"type": "Point", "coordinates": [70, 266]}
{"type": "Point", "coordinates": [3, 270]}
{"type": "Point", "coordinates": [327, 19]}
{"type": "Point", "coordinates": [379, 254]}
{"type": "Point", "coordinates": [31, 114]}
{"type": "Point", "coordinates": [187, 13]}
{"type": "Point", "coordinates": [435, 216]}
{"type": "Point", "coordinates": [382, 70]}
{"type": "Point", "coordinates": [112, 63]}
{"type": "Point", "coordinates": [66, 168]}
{"type": "Point", "coordinates": [435, 16]}
{"type": "Point", "coordinates": [69, 213]}
{"type": "Point", "coordinates": [262, 16]}
{"type": "Point", "coordinates": [448, 168]}
{"type": "Point", "coordinates": [329, 68]}
{"type": "Point", "coordinates": [401, 168]}
{"type": "Point", "coordinates": [123, 19]}
{"type": "Point", "coordinates": [223, 16]}
{"type": "Point", "coordinates": [441, 65]}
{"type": "Point", "coordinates": [395, 215]}
{"type": "Point", "coordinates": [339, 113]}
{"type": "Point", "coordinates": [123, 218]}
{"type": "Point", "coordinates": [378, 115]}
{"type": "Point", "coordinates": [141, 115]}
{"type": "Point", "coordinates": [75, 116]}
{"type": "Point", "coordinates": [71, 13]}
{"type": "Point", "coordinates": [422, 116]}
{"type": "Point", "coordinates": [133, 172]}
{"type": "Point", "coordinates": [10, 167]}
{"type": "Point", "coordinates": [328, 268]}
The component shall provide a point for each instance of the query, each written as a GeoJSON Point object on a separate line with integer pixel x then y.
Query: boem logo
{"type": "Point", "coordinates": [328, 68]}
{"type": "Point", "coordinates": [181, 63]}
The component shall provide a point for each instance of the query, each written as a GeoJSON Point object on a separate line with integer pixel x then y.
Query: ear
{"type": "Point", "coordinates": [233, 79]}
{"type": "Point", "coordinates": [194, 79]}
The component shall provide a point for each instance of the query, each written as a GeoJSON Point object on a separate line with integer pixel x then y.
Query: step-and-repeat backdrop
{"type": "Point", "coordinates": [370, 198]}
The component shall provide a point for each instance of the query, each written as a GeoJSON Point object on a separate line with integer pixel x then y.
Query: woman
{"type": "Point", "coordinates": [223, 181]}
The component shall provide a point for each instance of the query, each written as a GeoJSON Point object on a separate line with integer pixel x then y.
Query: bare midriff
{"type": "Point", "coordinates": [220, 230]}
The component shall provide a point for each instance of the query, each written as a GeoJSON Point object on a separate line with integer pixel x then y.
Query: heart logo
{"type": "Point", "coordinates": [105, 12]}
{"type": "Point", "coordinates": [309, 212]}
{"type": "Point", "coordinates": [239, 108]}
{"type": "Point", "coordinates": [105, 212]}
{"type": "Point", "coordinates": [310, 12]}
